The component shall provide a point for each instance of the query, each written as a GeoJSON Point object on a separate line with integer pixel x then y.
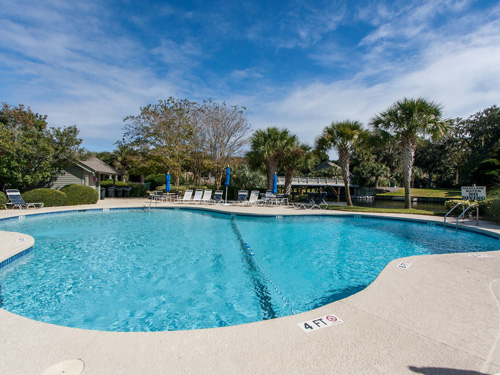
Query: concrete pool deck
{"type": "Point", "coordinates": [439, 316]}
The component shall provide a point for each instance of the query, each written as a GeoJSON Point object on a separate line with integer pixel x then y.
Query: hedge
{"type": "Point", "coordinates": [156, 180]}
{"type": "Point", "coordinates": [138, 189]}
{"type": "Point", "coordinates": [49, 197]}
{"type": "Point", "coordinates": [3, 199]}
{"type": "Point", "coordinates": [115, 183]}
{"type": "Point", "coordinates": [458, 211]}
{"type": "Point", "coordinates": [80, 194]}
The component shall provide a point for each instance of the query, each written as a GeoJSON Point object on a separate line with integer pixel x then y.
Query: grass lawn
{"type": "Point", "coordinates": [412, 211]}
{"type": "Point", "coordinates": [427, 193]}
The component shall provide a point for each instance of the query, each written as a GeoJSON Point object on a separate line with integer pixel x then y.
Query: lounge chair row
{"type": "Point", "coordinates": [255, 198]}
{"type": "Point", "coordinates": [205, 196]}
{"type": "Point", "coordinates": [313, 202]}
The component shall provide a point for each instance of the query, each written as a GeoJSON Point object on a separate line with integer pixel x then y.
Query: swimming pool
{"type": "Point", "coordinates": [175, 269]}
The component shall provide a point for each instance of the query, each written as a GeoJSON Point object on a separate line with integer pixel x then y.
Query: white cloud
{"type": "Point", "coordinates": [68, 63]}
{"type": "Point", "coordinates": [463, 75]}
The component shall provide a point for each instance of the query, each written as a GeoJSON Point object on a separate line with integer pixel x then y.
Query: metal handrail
{"type": "Point", "coordinates": [467, 209]}
{"type": "Point", "coordinates": [450, 211]}
{"type": "Point", "coordinates": [464, 210]}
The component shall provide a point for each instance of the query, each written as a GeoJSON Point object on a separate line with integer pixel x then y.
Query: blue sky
{"type": "Point", "coordinates": [294, 64]}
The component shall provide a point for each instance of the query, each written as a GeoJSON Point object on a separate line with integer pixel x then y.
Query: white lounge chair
{"type": "Point", "coordinates": [207, 196]}
{"type": "Point", "coordinates": [187, 196]}
{"type": "Point", "coordinates": [254, 198]}
{"type": "Point", "coordinates": [197, 196]}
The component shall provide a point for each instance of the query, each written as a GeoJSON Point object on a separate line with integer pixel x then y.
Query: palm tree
{"type": "Point", "coordinates": [268, 147]}
{"type": "Point", "coordinates": [408, 120]}
{"type": "Point", "coordinates": [294, 157]}
{"type": "Point", "coordinates": [343, 136]}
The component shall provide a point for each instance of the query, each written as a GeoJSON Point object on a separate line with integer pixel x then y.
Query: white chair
{"type": "Point", "coordinates": [197, 196]}
{"type": "Point", "coordinates": [207, 196]}
{"type": "Point", "coordinates": [187, 196]}
{"type": "Point", "coordinates": [254, 198]}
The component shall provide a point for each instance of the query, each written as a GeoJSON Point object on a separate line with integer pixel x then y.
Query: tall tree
{"type": "Point", "coordinates": [477, 137]}
{"type": "Point", "coordinates": [408, 120]}
{"type": "Point", "coordinates": [296, 157]}
{"type": "Point", "coordinates": [31, 154]}
{"type": "Point", "coordinates": [343, 136]}
{"type": "Point", "coordinates": [226, 131]}
{"type": "Point", "coordinates": [165, 130]}
{"type": "Point", "coordinates": [267, 148]}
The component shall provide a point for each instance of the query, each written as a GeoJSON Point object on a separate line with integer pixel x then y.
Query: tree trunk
{"type": "Point", "coordinates": [142, 177]}
{"type": "Point", "coordinates": [429, 183]}
{"type": "Point", "coordinates": [288, 180]}
{"type": "Point", "coordinates": [377, 178]}
{"type": "Point", "coordinates": [272, 168]}
{"type": "Point", "coordinates": [218, 177]}
{"type": "Point", "coordinates": [408, 157]}
{"type": "Point", "coordinates": [344, 160]}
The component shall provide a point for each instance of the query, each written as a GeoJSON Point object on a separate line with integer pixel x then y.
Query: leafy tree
{"type": "Point", "coordinates": [476, 137]}
{"type": "Point", "coordinates": [267, 148]}
{"type": "Point", "coordinates": [163, 130]}
{"type": "Point", "coordinates": [367, 169]}
{"type": "Point", "coordinates": [183, 134]}
{"type": "Point", "coordinates": [244, 178]}
{"type": "Point", "coordinates": [31, 154]}
{"type": "Point", "coordinates": [224, 131]}
{"type": "Point", "coordinates": [408, 120]}
{"type": "Point", "coordinates": [488, 170]}
{"type": "Point", "coordinates": [293, 158]}
{"type": "Point", "coordinates": [344, 136]}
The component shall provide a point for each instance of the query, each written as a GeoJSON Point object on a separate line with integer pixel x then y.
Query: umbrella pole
{"type": "Point", "coordinates": [226, 194]}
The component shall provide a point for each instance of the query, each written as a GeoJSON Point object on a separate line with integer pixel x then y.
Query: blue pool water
{"type": "Point", "coordinates": [134, 270]}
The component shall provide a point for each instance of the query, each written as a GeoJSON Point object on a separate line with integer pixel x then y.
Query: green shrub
{"type": "Point", "coordinates": [451, 203]}
{"type": "Point", "coordinates": [156, 180]}
{"type": "Point", "coordinates": [3, 199]}
{"type": "Point", "coordinates": [49, 197]}
{"type": "Point", "coordinates": [493, 209]}
{"type": "Point", "coordinates": [485, 207]}
{"type": "Point", "coordinates": [138, 189]}
{"type": "Point", "coordinates": [80, 194]}
{"type": "Point", "coordinates": [115, 183]}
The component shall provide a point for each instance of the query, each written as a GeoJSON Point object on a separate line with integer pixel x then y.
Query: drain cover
{"type": "Point", "coordinates": [69, 367]}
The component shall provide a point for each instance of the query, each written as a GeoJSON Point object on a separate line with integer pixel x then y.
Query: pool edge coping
{"type": "Point", "coordinates": [172, 336]}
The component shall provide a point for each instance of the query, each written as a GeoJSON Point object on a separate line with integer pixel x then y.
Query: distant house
{"type": "Point", "coordinates": [85, 172]}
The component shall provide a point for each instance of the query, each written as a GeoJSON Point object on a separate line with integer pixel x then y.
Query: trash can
{"type": "Point", "coordinates": [126, 192]}
{"type": "Point", "coordinates": [119, 192]}
{"type": "Point", "coordinates": [111, 191]}
{"type": "Point", "coordinates": [103, 192]}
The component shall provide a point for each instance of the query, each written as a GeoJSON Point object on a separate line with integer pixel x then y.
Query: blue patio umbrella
{"type": "Point", "coordinates": [167, 185]}
{"type": "Point", "coordinates": [228, 176]}
{"type": "Point", "coordinates": [275, 183]}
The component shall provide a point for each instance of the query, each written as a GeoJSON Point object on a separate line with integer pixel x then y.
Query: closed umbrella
{"type": "Point", "coordinates": [275, 183]}
{"type": "Point", "coordinates": [167, 185]}
{"type": "Point", "coordinates": [228, 175]}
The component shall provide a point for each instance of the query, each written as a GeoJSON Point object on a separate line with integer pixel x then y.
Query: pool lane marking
{"type": "Point", "coordinates": [247, 247]}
